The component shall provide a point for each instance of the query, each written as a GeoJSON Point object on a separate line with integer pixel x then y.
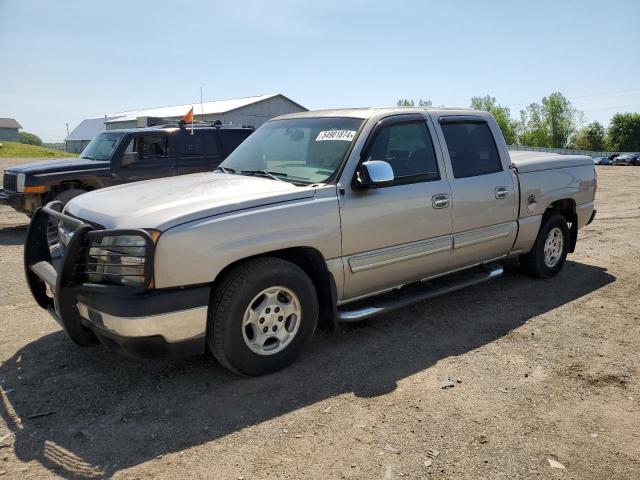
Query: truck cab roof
{"type": "Point", "coordinates": [369, 112]}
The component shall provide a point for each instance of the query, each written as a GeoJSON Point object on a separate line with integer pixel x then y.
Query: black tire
{"type": "Point", "coordinates": [533, 263]}
{"type": "Point", "coordinates": [235, 292]}
{"type": "Point", "coordinates": [66, 195]}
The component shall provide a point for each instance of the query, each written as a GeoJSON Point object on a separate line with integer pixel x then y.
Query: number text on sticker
{"type": "Point", "coordinates": [344, 135]}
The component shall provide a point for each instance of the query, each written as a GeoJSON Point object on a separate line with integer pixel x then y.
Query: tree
{"type": "Point", "coordinates": [532, 131]}
{"type": "Point", "coordinates": [591, 137]}
{"type": "Point", "coordinates": [561, 119]}
{"type": "Point", "coordinates": [550, 124]}
{"type": "Point", "coordinates": [500, 113]}
{"type": "Point", "coordinates": [624, 132]}
{"type": "Point", "coordinates": [30, 139]}
{"type": "Point", "coordinates": [405, 102]}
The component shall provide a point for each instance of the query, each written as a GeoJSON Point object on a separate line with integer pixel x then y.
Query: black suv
{"type": "Point", "coordinates": [121, 156]}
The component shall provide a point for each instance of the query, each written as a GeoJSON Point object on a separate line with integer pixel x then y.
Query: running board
{"type": "Point", "coordinates": [381, 305]}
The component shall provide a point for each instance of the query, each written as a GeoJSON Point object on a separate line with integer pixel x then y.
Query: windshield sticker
{"type": "Point", "coordinates": [343, 135]}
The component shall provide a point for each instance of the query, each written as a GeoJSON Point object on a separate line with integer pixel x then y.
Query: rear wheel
{"type": "Point", "coordinates": [549, 251]}
{"type": "Point", "coordinates": [66, 195]}
{"type": "Point", "coordinates": [261, 315]}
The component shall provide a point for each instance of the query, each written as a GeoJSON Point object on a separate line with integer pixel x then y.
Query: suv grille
{"type": "Point", "coordinates": [10, 182]}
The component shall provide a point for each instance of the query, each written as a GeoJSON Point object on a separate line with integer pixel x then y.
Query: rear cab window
{"type": "Point", "coordinates": [230, 139]}
{"type": "Point", "coordinates": [472, 148]}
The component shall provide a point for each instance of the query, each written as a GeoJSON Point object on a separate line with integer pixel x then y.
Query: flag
{"type": "Point", "coordinates": [188, 118]}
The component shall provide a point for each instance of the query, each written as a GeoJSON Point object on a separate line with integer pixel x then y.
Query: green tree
{"type": "Point", "coordinates": [591, 137]}
{"type": "Point", "coordinates": [406, 102]}
{"type": "Point", "coordinates": [501, 114]}
{"type": "Point", "coordinates": [560, 118]}
{"type": "Point", "coordinates": [532, 131]}
{"type": "Point", "coordinates": [549, 124]}
{"type": "Point", "coordinates": [30, 139]}
{"type": "Point", "coordinates": [624, 132]}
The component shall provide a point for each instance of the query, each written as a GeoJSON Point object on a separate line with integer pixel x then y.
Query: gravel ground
{"type": "Point", "coordinates": [543, 371]}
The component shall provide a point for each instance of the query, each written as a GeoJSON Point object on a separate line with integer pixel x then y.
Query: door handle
{"type": "Point", "coordinates": [440, 201]}
{"type": "Point", "coordinates": [502, 192]}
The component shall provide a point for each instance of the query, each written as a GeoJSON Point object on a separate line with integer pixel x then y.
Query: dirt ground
{"type": "Point", "coordinates": [543, 371]}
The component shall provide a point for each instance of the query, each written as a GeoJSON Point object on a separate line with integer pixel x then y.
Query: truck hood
{"type": "Point", "coordinates": [164, 203]}
{"type": "Point", "coordinates": [58, 165]}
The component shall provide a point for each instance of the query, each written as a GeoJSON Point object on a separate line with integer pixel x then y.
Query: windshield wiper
{"type": "Point", "coordinates": [225, 169]}
{"type": "Point", "coordinates": [88, 157]}
{"type": "Point", "coordinates": [267, 173]}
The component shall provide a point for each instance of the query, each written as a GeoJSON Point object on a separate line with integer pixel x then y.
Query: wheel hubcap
{"type": "Point", "coordinates": [271, 320]}
{"type": "Point", "coordinates": [553, 247]}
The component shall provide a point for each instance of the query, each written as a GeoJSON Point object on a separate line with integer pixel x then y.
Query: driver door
{"type": "Point", "coordinates": [400, 233]}
{"type": "Point", "coordinates": [147, 156]}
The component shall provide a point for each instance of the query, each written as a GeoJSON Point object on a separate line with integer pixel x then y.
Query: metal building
{"type": "Point", "coordinates": [241, 111]}
{"type": "Point", "coordinates": [83, 133]}
{"type": "Point", "coordinates": [9, 130]}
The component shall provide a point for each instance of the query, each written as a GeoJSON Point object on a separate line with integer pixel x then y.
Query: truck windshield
{"type": "Point", "coordinates": [299, 150]}
{"type": "Point", "coordinates": [102, 146]}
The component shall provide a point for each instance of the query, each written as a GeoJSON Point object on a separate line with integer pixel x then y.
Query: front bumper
{"type": "Point", "coordinates": [22, 202]}
{"type": "Point", "coordinates": [147, 323]}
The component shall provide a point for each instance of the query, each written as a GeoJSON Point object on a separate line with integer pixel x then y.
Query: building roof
{"type": "Point", "coordinates": [208, 108]}
{"type": "Point", "coordinates": [88, 128]}
{"type": "Point", "coordinates": [9, 123]}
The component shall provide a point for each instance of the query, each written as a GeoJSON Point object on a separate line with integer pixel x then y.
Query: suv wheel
{"type": "Point", "coordinates": [549, 251]}
{"type": "Point", "coordinates": [66, 195]}
{"type": "Point", "coordinates": [261, 315]}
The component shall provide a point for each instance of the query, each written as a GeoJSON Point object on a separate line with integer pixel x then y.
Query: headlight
{"type": "Point", "coordinates": [20, 183]}
{"type": "Point", "coordinates": [120, 259]}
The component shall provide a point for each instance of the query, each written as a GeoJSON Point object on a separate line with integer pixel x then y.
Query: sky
{"type": "Point", "coordinates": [65, 60]}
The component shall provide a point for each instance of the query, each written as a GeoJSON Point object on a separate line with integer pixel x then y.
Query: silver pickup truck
{"type": "Point", "coordinates": [318, 217]}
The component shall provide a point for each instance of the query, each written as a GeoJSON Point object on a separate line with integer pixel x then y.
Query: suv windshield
{"type": "Point", "coordinates": [102, 146]}
{"type": "Point", "coordinates": [299, 150]}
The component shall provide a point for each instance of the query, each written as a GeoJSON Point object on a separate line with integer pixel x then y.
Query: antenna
{"type": "Point", "coordinates": [201, 106]}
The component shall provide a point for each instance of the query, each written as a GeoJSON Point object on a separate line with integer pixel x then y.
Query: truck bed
{"type": "Point", "coordinates": [526, 161]}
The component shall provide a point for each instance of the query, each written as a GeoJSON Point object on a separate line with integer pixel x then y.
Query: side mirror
{"type": "Point", "coordinates": [129, 158]}
{"type": "Point", "coordinates": [374, 174]}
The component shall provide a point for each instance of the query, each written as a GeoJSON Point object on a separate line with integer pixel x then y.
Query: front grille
{"type": "Point", "coordinates": [10, 182]}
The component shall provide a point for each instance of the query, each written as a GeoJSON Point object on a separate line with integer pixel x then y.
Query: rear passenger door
{"type": "Point", "coordinates": [198, 151]}
{"type": "Point", "coordinates": [482, 189]}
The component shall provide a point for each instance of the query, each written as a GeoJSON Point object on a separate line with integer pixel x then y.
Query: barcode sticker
{"type": "Point", "coordinates": [344, 135]}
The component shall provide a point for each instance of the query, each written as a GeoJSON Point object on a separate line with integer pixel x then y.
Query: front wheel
{"type": "Point", "coordinates": [66, 195]}
{"type": "Point", "coordinates": [261, 315]}
{"type": "Point", "coordinates": [549, 251]}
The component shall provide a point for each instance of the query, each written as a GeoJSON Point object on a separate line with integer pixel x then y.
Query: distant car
{"type": "Point", "coordinates": [602, 161]}
{"type": "Point", "coordinates": [121, 156]}
{"type": "Point", "coordinates": [627, 159]}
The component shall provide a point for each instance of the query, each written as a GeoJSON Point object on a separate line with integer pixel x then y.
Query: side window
{"type": "Point", "coordinates": [472, 149]}
{"type": "Point", "coordinates": [200, 144]}
{"type": "Point", "coordinates": [153, 147]}
{"type": "Point", "coordinates": [149, 147]}
{"type": "Point", "coordinates": [408, 148]}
